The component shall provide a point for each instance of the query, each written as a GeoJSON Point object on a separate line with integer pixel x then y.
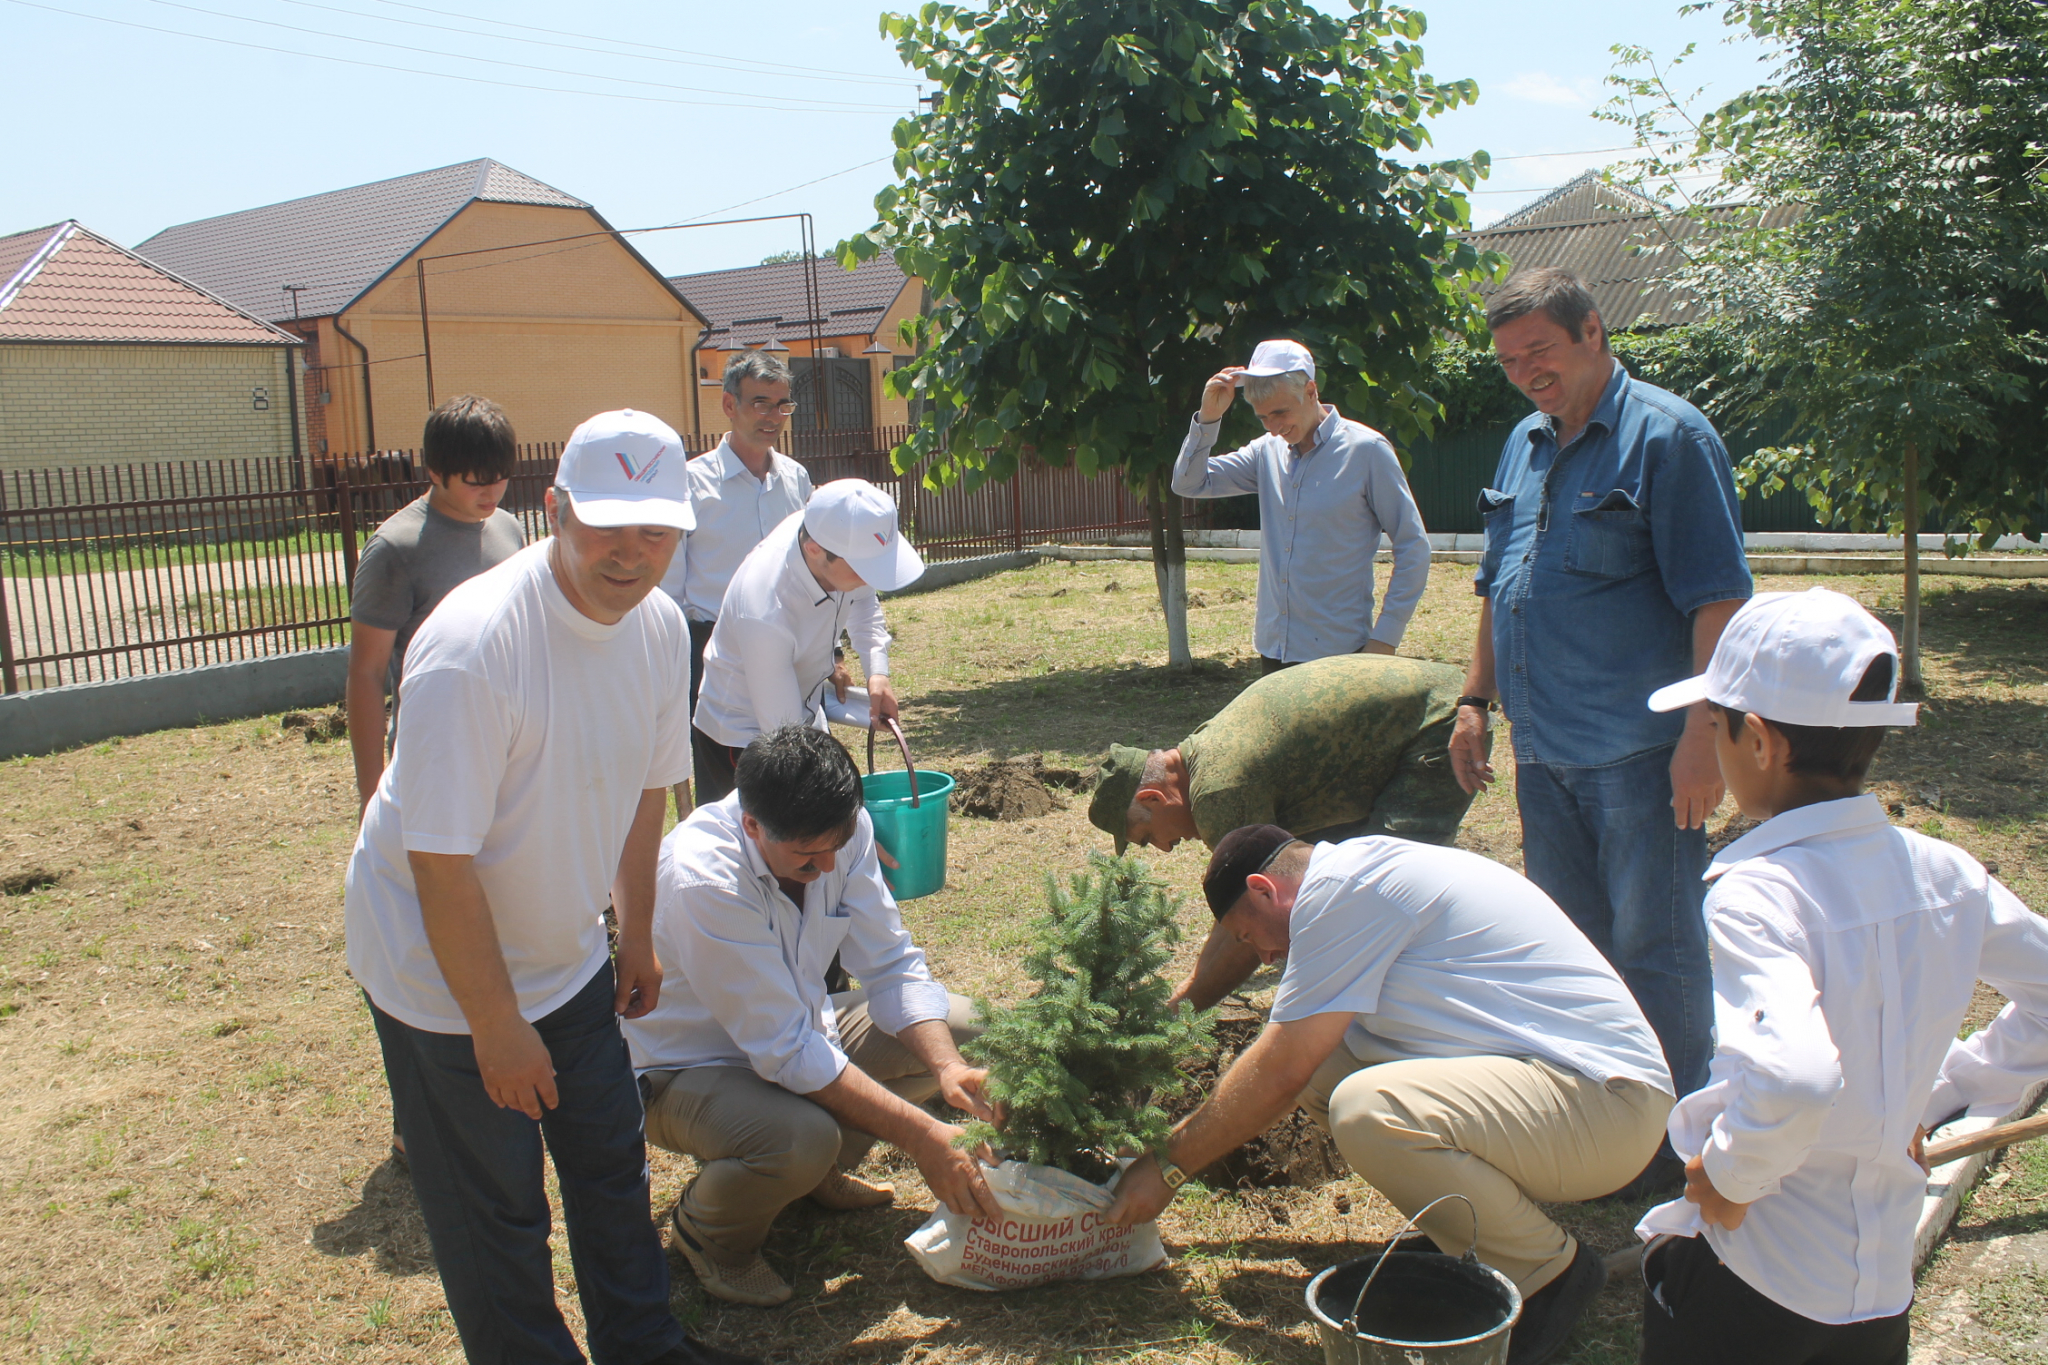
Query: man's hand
{"type": "Point", "coordinates": [1468, 750]}
{"type": "Point", "coordinates": [639, 977]}
{"type": "Point", "coordinates": [1141, 1194]}
{"type": "Point", "coordinates": [955, 1176]}
{"type": "Point", "coordinates": [1377, 647]}
{"type": "Point", "coordinates": [1220, 392]}
{"type": "Point", "coordinates": [1917, 1148]}
{"type": "Point", "coordinates": [1696, 787]}
{"type": "Point", "coordinates": [515, 1067]}
{"type": "Point", "coordinates": [841, 679]}
{"type": "Point", "coordinates": [966, 1089]}
{"type": "Point", "coordinates": [881, 700]}
{"type": "Point", "coordinates": [1714, 1207]}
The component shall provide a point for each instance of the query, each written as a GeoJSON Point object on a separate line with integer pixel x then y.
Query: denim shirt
{"type": "Point", "coordinates": [1597, 556]}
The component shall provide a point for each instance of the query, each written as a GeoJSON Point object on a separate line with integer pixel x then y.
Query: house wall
{"type": "Point", "coordinates": [68, 405]}
{"type": "Point", "coordinates": [908, 303]}
{"type": "Point", "coordinates": [553, 333]}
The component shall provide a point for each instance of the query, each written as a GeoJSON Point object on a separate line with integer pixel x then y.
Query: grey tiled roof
{"type": "Point", "coordinates": [336, 244]}
{"type": "Point", "coordinates": [1624, 245]}
{"type": "Point", "coordinates": [755, 302]}
{"type": "Point", "coordinates": [66, 283]}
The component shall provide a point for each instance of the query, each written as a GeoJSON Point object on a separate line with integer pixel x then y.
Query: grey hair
{"type": "Point", "coordinates": [1260, 387]}
{"type": "Point", "coordinates": [756, 365]}
{"type": "Point", "coordinates": [1551, 290]}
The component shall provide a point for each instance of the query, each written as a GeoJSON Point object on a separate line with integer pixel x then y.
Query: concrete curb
{"type": "Point", "coordinates": [1947, 1185]}
{"type": "Point", "coordinates": [944, 573]}
{"type": "Point", "coordinates": [49, 719]}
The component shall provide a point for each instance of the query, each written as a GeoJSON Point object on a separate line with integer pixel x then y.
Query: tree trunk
{"type": "Point", "coordinates": [1909, 630]}
{"type": "Point", "coordinates": [1170, 569]}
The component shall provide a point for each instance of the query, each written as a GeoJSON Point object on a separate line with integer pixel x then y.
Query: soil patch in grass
{"type": "Point", "coordinates": [316, 725]}
{"type": "Point", "coordinates": [27, 880]}
{"type": "Point", "coordinates": [1014, 788]}
{"type": "Point", "coordinates": [1292, 1152]}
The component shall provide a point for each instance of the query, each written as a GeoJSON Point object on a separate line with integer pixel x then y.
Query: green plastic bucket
{"type": "Point", "coordinates": [914, 835]}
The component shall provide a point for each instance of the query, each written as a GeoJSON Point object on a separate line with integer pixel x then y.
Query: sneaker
{"type": "Point", "coordinates": [1665, 1175]}
{"type": "Point", "coordinates": [840, 1192]}
{"type": "Point", "coordinates": [735, 1276]}
{"type": "Point", "coordinates": [691, 1351]}
{"type": "Point", "coordinates": [1549, 1314]}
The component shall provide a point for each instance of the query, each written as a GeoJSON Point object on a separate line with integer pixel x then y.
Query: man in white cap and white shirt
{"type": "Point", "coordinates": [770, 663]}
{"type": "Point", "coordinates": [544, 706]}
{"type": "Point", "coordinates": [1328, 489]}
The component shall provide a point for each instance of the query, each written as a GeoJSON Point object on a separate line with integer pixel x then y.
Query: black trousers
{"type": "Point", "coordinates": [1697, 1311]}
{"type": "Point", "coordinates": [1269, 665]}
{"type": "Point", "coordinates": [714, 764]}
{"type": "Point", "coordinates": [700, 636]}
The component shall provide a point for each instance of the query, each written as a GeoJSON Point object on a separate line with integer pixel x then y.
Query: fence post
{"type": "Point", "coordinates": [1017, 507]}
{"type": "Point", "coordinates": [345, 504]}
{"type": "Point", "coordinates": [6, 624]}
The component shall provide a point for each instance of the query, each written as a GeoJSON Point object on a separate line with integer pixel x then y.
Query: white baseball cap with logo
{"type": "Point", "coordinates": [626, 468]}
{"type": "Point", "coordinates": [1279, 357]}
{"type": "Point", "coordinates": [1795, 658]}
{"type": "Point", "coordinates": [856, 521]}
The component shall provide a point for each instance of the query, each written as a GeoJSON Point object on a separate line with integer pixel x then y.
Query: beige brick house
{"type": "Point", "coordinates": [472, 278]}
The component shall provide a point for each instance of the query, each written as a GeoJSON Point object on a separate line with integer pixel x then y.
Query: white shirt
{"type": "Point", "coordinates": [1321, 515]}
{"type": "Point", "coordinates": [1449, 954]}
{"type": "Point", "coordinates": [530, 733]}
{"type": "Point", "coordinates": [1845, 955]}
{"type": "Point", "coordinates": [735, 511]}
{"type": "Point", "coordinates": [769, 658]}
{"type": "Point", "coordinates": [746, 965]}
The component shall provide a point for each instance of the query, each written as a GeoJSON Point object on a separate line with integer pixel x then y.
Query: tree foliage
{"type": "Point", "coordinates": [1112, 199]}
{"type": "Point", "coordinates": [1899, 328]}
{"type": "Point", "coordinates": [1083, 1064]}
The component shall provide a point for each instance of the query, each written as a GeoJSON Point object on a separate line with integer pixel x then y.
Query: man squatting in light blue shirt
{"type": "Point", "coordinates": [1328, 487]}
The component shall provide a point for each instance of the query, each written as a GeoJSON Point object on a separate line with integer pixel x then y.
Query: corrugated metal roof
{"type": "Point", "coordinates": [756, 302]}
{"type": "Point", "coordinates": [1602, 233]}
{"type": "Point", "coordinates": [336, 244]}
{"type": "Point", "coordinates": [66, 283]}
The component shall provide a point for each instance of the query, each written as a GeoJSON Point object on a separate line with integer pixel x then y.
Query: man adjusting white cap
{"type": "Point", "coordinates": [1795, 658]}
{"type": "Point", "coordinates": [626, 468]}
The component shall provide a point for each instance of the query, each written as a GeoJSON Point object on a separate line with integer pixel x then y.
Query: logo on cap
{"type": "Point", "coordinates": [880, 539]}
{"type": "Point", "coordinates": [643, 475]}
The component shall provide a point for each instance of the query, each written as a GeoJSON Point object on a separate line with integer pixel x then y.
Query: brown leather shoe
{"type": "Point", "coordinates": [841, 1193]}
{"type": "Point", "coordinates": [735, 1276]}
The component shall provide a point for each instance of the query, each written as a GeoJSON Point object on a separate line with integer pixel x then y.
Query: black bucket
{"type": "Point", "coordinates": [1408, 1306]}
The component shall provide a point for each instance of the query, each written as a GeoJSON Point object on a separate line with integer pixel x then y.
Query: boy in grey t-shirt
{"type": "Point", "coordinates": [453, 533]}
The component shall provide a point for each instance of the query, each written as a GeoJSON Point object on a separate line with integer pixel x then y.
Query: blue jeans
{"type": "Point", "coordinates": [477, 1170]}
{"type": "Point", "coordinates": [1601, 843]}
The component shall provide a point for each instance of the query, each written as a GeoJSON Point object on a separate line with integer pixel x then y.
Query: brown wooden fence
{"type": "Point", "coordinates": [120, 570]}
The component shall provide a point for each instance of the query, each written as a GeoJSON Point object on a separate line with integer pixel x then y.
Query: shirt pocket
{"type": "Point", "coordinates": [1497, 520]}
{"type": "Point", "coordinates": [823, 943]}
{"type": "Point", "coordinates": [1610, 539]}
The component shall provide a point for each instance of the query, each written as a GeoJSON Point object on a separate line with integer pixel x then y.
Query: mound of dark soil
{"type": "Point", "coordinates": [1292, 1152]}
{"type": "Point", "coordinates": [1013, 789]}
{"type": "Point", "coordinates": [317, 725]}
{"type": "Point", "coordinates": [31, 879]}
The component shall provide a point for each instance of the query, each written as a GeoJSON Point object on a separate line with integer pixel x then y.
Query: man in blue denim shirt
{"type": "Point", "coordinates": [1613, 559]}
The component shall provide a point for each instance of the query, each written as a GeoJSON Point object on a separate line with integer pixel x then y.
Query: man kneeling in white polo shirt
{"type": "Point", "coordinates": [747, 1064]}
{"type": "Point", "coordinates": [1454, 1033]}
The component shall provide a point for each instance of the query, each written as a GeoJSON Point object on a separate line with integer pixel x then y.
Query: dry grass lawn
{"type": "Point", "coordinates": [193, 1122]}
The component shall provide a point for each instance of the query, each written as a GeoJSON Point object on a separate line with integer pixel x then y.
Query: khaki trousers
{"type": "Point", "coordinates": [1504, 1132]}
{"type": "Point", "coordinates": [762, 1147]}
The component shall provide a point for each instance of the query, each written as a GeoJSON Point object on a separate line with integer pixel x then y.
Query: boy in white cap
{"type": "Point", "coordinates": [769, 662]}
{"type": "Point", "coordinates": [1845, 954]}
{"type": "Point", "coordinates": [1328, 489]}
{"type": "Point", "coordinates": [544, 722]}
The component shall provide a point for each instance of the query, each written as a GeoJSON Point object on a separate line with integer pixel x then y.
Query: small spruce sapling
{"type": "Point", "coordinates": [1083, 1064]}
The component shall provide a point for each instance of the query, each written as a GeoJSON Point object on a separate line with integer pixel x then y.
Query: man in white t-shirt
{"type": "Point", "coordinates": [544, 722]}
{"type": "Point", "coordinates": [1453, 1032]}
{"type": "Point", "coordinates": [770, 663]}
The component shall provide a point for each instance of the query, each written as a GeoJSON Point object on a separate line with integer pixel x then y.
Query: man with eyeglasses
{"type": "Point", "coordinates": [742, 490]}
{"type": "Point", "coordinates": [1328, 489]}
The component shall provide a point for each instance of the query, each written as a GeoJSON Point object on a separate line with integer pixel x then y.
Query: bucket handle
{"type": "Point", "coordinates": [909, 768]}
{"type": "Point", "coordinates": [1350, 1323]}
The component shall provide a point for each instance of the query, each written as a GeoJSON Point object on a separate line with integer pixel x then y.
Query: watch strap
{"type": "Point", "coordinates": [1173, 1175]}
{"type": "Point", "coordinates": [1483, 703]}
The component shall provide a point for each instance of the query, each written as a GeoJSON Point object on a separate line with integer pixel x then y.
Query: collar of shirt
{"type": "Point", "coordinates": [1325, 429]}
{"type": "Point", "coordinates": [731, 466]}
{"type": "Point", "coordinates": [1796, 826]}
{"type": "Point", "coordinates": [799, 583]}
{"type": "Point", "coordinates": [1606, 412]}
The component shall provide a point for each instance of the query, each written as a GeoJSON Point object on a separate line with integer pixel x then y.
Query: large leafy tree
{"type": "Point", "coordinates": [1899, 328]}
{"type": "Point", "coordinates": [1112, 199]}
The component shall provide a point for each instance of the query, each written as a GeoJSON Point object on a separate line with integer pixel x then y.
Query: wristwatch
{"type": "Point", "coordinates": [1173, 1175]}
{"type": "Point", "coordinates": [1483, 703]}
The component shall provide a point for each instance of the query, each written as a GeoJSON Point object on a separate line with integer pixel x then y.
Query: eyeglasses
{"type": "Point", "coordinates": [764, 406]}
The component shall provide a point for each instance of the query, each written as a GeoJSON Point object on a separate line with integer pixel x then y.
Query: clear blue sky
{"type": "Point", "coordinates": [132, 127]}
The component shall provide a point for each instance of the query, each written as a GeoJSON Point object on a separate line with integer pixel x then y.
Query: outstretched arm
{"type": "Point", "coordinates": [1225, 964]}
{"type": "Point", "coordinates": [858, 1101]}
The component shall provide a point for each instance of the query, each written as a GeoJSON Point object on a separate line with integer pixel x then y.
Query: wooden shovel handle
{"type": "Point", "coordinates": [2004, 1135]}
{"type": "Point", "coordinates": [909, 768]}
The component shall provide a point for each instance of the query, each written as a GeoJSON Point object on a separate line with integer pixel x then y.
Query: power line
{"type": "Point", "coordinates": [835, 106]}
{"type": "Point", "coordinates": [776, 195]}
{"type": "Point", "coordinates": [416, 71]}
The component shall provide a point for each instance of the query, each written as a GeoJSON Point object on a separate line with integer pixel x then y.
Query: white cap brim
{"type": "Point", "coordinates": [610, 510]}
{"type": "Point", "coordinates": [1679, 694]}
{"type": "Point", "coordinates": [890, 569]}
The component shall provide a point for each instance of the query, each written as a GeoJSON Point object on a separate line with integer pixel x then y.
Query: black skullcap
{"type": "Point", "coordinates": [1242, 853]}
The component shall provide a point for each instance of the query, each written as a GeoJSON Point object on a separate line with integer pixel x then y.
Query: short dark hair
{"type": "Point", "coordinates": [1551, 290]}
{"type": "Point", "coordinates": [470, 436]}
{"type": "Point", "coordinates": [799, 783]}
{"type": "Point", "coordinates": [1843, 753]}
{"type": "Point", "coordinates": [759, 366]}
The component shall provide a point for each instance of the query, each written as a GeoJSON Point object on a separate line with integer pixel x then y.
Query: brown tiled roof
{"type": "Point", "coordinates": [1624, 245]}
{"type": "Point", "coordinates": [336, 244]}
{"type": "Point", "coordinates": [65, 283]}
{"type": "Point", "coordinates": [756, 302]}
